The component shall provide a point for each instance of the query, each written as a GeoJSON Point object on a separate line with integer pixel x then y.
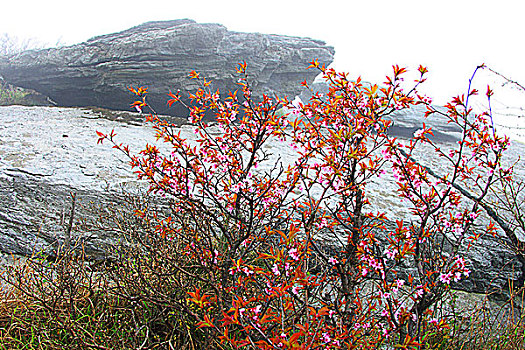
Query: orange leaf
{"type": "Point", "coordinates": [206, 323]}
{"type": "Point", "coordinates": [194, 75]}
{"type": "Point", "coordinates": [422, 69]}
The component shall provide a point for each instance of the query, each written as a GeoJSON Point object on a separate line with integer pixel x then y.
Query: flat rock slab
{"type": "Point", "coordinates": [59, 146]}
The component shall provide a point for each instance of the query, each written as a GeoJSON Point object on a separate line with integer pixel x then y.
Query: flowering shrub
{"type": "Point", "coordinates": [294, 256]}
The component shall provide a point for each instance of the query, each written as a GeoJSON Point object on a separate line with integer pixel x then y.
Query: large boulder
{"type": "Point", "coordinates": [160, 55]}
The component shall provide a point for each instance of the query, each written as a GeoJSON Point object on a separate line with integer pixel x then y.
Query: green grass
{"type": "Point", "coordinates": [10, 95]}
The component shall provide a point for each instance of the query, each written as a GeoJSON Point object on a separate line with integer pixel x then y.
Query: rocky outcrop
{"type": "Point", "coordinates": [160, 55]}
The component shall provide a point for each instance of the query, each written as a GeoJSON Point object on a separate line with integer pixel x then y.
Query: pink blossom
{"type": "Point", "coordinates": [326, 338]}
{"type": "Point", "coordinates": [268, 288]}
{"type": "Point", "coordinates": [287, 269]}
{"type": "Point", "coordinates": [418, 133]}
{"type": "Point", "coordinates": [293, 254]}
{"type": "Point", "coordinates": [235, 188]}
{"type": "Point", "coordinates": [386, 154]}
{"type": "Point", "coordinates": [445, 278]}
{"type": "Point", "coordinates": [247, 271]}
{"type": "Point", "coordinates": [458, 229]}
{"type": "Point", "coordinates": [457, 276]}
{"type": "Point", "coordinates": [375, 264]}
{"type": "Point", "coordinates": [256, 310]}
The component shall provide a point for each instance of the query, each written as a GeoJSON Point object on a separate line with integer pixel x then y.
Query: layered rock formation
{"type": "Point", "coordinates": [160, 55]}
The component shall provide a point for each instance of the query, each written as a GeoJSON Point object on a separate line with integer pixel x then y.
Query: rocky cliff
{"type": "Point", "coordinates": [160, 55]}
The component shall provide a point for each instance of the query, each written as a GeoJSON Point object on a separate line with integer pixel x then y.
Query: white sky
{"type": "Point", "coordinates": [451, 37]}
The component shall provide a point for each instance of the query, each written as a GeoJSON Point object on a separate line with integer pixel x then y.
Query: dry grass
{"type": "Point", "coordinates": [136, 298]}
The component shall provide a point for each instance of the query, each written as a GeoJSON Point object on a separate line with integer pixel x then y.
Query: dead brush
{"type": "Point", "coordinates": [58, 303]}
{"type": "Point", "coordinates": [487, 326]}
{"type": "Point", "coordinates": [134, 297]}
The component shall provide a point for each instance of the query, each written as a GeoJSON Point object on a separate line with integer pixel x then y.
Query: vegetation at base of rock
{"type": "Point", "coordinates": [131, 299]}
{"type": "Point", "coordinates": [12, 95]}
{"type": "Point", "coordinates": [126, 301]}
{"type": "Point", "coordinates": [237, 257]}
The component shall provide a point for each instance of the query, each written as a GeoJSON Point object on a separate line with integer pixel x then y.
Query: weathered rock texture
{"type": "Point", "coordinates": [160, 55]}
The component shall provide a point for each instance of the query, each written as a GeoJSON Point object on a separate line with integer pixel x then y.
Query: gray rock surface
{"type": "Point", "coordinates": [160, 55]}
{"type": "Point", "coordinates": [46, 154]}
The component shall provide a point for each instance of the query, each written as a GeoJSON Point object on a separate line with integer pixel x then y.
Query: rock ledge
{"type": "Point", "coordinates": [160, 55]}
